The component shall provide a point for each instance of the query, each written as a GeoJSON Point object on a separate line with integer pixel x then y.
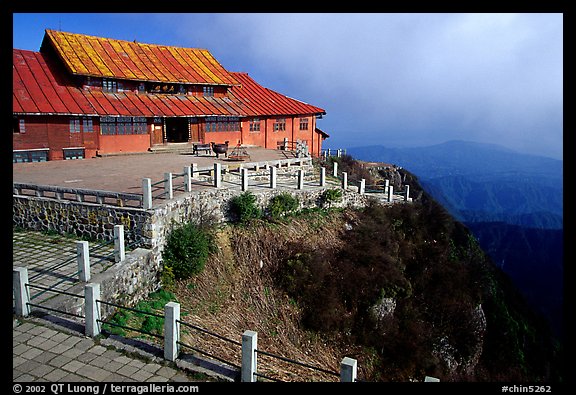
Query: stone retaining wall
{"type": "Point", "coordinates": [125, 283]}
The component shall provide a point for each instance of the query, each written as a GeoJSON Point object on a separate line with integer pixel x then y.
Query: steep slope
{"type": "Point", "coordinates": [404, 289]}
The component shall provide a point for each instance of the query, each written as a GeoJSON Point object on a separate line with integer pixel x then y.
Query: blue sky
{"type": "Point", "coordinates": [384, 79]}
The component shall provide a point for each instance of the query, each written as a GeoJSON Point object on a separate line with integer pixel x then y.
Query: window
{"type": "Point", "coordinates": [222, 124]}
{"type": "Point", "coordinates": [255, 125]}
{"type": "Point", "coordinates": [280, 124]}
{"type": "Point", "coordinates": [304, 123]}
{"type": "Point", "coordinates": [123, 125]}
{"type": "Point", "coordinates": [40, 155]}
{"type": "Point", "coordinates": [73, 153]}
{"type": "Point", "coordinates": [18, 125]}
{"type": "Point", "coordinates": [87, 125]}
{"type": "Point", "coordinates": [208, 91]}
{"type": "Point", "coordinates": [109, 85]}
{"type": "Point", "coordinates": [74, 125]}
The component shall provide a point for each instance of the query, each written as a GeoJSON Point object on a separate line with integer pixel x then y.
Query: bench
{"type": "Point", "coordinates": [201, 147]}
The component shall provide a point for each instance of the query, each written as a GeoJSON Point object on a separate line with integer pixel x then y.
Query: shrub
{"type": "Point", "coordinates": [330, 196]}
{"type": "Point", "coordinates": [282, 204]}
{"type": "Point", "coordinates": [244, 208]}
{"type": "Point", "coordinates": [187, 250]}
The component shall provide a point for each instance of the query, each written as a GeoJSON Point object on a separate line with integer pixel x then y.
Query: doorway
{"type": "Point", "coordinates": [177, 130]}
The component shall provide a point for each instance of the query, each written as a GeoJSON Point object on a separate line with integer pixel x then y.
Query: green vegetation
{"type": "Point", "coordinates": [331, 196]}
{"type": "Point", "coordinates": [244, 208]}
{"type": "Point", "coordinates": [186, 251]}
{"type": "Point", "coordinates": [282, 204]}
{"type": "Point", "coordinates": [138, 319]}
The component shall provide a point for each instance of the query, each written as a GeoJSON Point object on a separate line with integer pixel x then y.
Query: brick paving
{"type": "Point", "coordinates": [44, 352]}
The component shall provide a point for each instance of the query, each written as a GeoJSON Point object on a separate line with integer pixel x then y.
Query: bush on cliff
{"type": "Point", "coordinates": [187, 249]}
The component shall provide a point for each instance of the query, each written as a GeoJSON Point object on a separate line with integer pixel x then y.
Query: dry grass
{"type": "Point", "coordinates": [235, 292]}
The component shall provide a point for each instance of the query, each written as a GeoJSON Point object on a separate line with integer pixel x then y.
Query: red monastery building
{"type": "Point", "coordinates": [82, 96]}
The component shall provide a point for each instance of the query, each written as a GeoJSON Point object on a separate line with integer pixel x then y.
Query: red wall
{"type": "Point", "coordinates": [124, 143]}
{"type": "Point", "coordinates": [54, 133]}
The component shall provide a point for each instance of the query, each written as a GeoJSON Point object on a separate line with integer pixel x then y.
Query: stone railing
{"type": "Point", "coordinates": [119, 199]}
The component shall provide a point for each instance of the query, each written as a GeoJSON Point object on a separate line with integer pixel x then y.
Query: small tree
{"type": "Point", "coordinates": [282, 204]}
{"type": "Point", "coordinates": [244, 208]}
{"type": "Point", "coordinates": [186, 251]}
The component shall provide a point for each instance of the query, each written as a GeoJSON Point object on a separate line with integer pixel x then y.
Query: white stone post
{"type": "Point", "coordinates": [187, 178]}
{"type": "Point", "coordinates": [300, 179]}
{"type": "Point", "coordinates": [92, 309]}
{"type": "Point", "coordinates": [195, 173]}
{"type": "Point", "coordinates": [390, 194]}
{"type": "Point", "coordinates": [146, 193]}
{"type": "Point", "coordinates": [386, 186]}
{"type": "Point", "coordinates": [362, 187]}
{"type": "Point", "coordinates": [249, 363]}
{"type": "Point", "coordinates": [244, 179]}
{"type": "Point", "coordinates": [83, 260]}
{"type": "Point", "coordinates": [119, 251]}
{"type": "Point", "coordinates": [168, 185]}
{"type": "Point", "coordinates": [339, 153]}
{"type": "Point", "coordinates": [322, 176]}
{"type": "Point", "coordinates": [272, 177]}
{"type": "Point", "coordinates": [171, 330]}
{"type": "Point", "coordinates": [335, 169]}
{"type": "Point", "coordinates": [348, 369]}
{"type": "Point", "coordinates": [217, 175]}
{"type": "Point", "coordinates": [344, 180]}
{"type": "Point", "coordinates": [21, 295]}
{"type": "Point", "coordinates": [407, 195]}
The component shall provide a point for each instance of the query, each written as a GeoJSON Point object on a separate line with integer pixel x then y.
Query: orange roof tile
{"type": "Point", "coordinates": [106, 57]}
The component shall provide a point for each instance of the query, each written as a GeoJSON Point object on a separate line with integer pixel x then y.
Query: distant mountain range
{"type": "Point", "coordinates": [482, 182]}
{"type": "Point", "coordinates": [512, 202]}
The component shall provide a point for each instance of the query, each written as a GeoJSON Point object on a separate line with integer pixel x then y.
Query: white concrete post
{"type": "Point", "coordinates": [244, 179]}
{"type": "Point", "coordinates": [348, 369]}
{"type": "Point", "coordinates": [187, 178]}
{"type": "Point", "coordinates": [362, 188]}
{"type": "Point", "coordinates": [171, 330]}
{"type": "Point", "coordinates": [249, 363]}
{"type": "Point", "coordinates": [335, 174]}
{"type": "Point", "coordinates": [168, 185]}
{"type": "Point", "coordinates": [21, 296]}
{"type": "Point", "coordinates": [344, 180]}
{"type": "Point", "coordinates": [195, 170]}
{"type": "Point", "coordinates": [92, 309]}
{"type": "Point", "coordinates": [285, 143]}
{"type": "Point", "coordinates": [390, 194]}
{"type": "Point", "coordinates": [272, 177]}
{"type": "Point", "coordinates": [300, 179]}
{"type": "Point", "coordinates": [146, 193]}
{"type": "Point", "coordinates": [119, 251]}
{"type": "Point", "coordinates": [339, 153]}
{"type": "Point", "coordinates": [407, 196]}
{"type": "Point", "coordinates": [386, 186]}
{"type": "Point", "coordinates": [83, 260]}
{"type": "Point", "coordinates": [217, 175]}
{"type": "Point", "coordinates": [322, 176]}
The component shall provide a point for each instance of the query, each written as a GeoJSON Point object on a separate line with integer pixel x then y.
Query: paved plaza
{"type": "Point", "coordinates": [124, 173]}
